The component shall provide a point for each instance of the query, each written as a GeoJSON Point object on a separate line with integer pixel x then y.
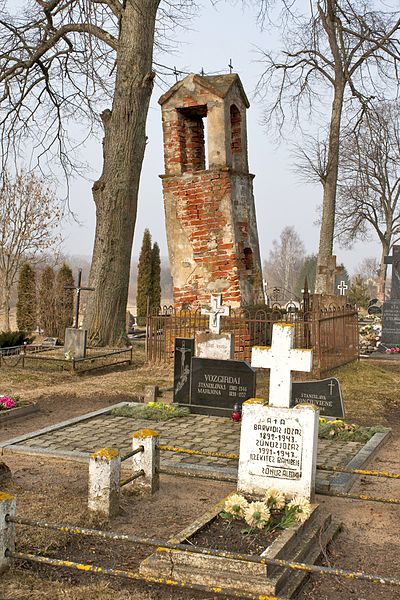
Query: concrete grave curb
{"type": "Point", "coordinates": [342, 482]}
{"type": "Point", "coordinates": [16, 442]}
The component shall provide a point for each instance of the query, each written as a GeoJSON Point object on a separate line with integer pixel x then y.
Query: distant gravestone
{"type": "Point", "coordinates": [184, 351]}
{"type": "Point", "coordinates": [391, 308]}
{"type": "Point", "coordinates": [391, 323]}
{"type": "Point", "coordinates": [50, 342]}
{"type": "Point", "coordinates": [324, 394]}
{"type": "Point", "coordinates": [374, 310]}
{"type": "Point", "coordinates": [213, 343]}
{"type": "Point", "coordinates": [75, 343]}
{"type": "Point", "coordinates": [216, 385]}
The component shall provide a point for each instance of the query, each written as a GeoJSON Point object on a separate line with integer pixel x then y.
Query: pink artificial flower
{"type": "Point", "coordinates": [7, 402]}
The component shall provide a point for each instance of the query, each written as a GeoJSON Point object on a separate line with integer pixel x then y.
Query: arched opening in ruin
{"type": "Point", "coordinates": [193, 138]}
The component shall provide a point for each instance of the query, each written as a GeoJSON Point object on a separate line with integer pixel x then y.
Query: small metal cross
{"type": "Point", "coordinates": [78, 289]}
{"type": "Point", "coordinates": [342, 287]}
{"type": "Point", "coordinates": [216, 312]}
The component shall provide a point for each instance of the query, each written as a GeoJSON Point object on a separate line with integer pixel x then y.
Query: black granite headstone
{"type": "Point", "coordinates": [391, 323]}
{"type": "Point", "coordinates": [217, 385]}
{"type": "Point", "coordinates": [325, 394]}
{"type": "Point", "coordinates": [374, 310]}
{"type": "Point", "coordinates": [184, 350]}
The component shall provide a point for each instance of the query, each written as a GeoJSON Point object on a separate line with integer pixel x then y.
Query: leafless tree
{"type": "Point", "coordinates": [341, 47]}
{"type": "Point", "coordinates": [369, 182]}
{"type": "Point", "coordinates": [30, 216]}
{"type": "Point", "coordinates": [285, 260]}
{"type": "Point", "coordinates": [64, 61]}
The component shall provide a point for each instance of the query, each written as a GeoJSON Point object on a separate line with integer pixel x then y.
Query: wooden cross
{"type": "Point", "coordinates": [216, 312]}
{"type": "Point", "coordinates": [281, 358]}
{"type": "Point", "coordinates": [394, 260]}
{"type": "Point", "coordinates": [342, 287]}
{"type": "Point", "coordinates": [78, 289]}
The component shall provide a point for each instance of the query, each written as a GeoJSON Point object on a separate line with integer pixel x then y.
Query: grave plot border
{"type": "Point", "coordinates": [341, 482]}
{"type": "Point", "coordinates": [23, 355]}
{"type": "Point", "coordinates": [17, 412]}
{"type": "Point", "coordinates": [304, 542]}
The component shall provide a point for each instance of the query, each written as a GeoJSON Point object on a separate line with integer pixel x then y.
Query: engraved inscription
{"type": "Point", "coordinates": [276, 448]}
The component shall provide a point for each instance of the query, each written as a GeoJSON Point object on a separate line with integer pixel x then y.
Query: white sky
{"type": "Point", "coordinates": [281, 198]}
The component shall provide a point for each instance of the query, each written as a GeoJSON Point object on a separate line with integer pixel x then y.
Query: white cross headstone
{"type": "Point", "coordinates": [342, 287]}
{"type": "Point", "coordinates": [278, 444]}
{"type": "Point", "coordinates": [215, 313]}
{"type": "Point", "coordinates": [281, 358]}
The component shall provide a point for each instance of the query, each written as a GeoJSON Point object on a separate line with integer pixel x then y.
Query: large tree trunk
{"type": "Point", "coordinates": [383, 269]}
{"type": "Point", "coordinates": [115, 193]}
{"type": "Point", "coordinates": [5, 304]}
{"type": "Point", "coordinates": [330, 184]}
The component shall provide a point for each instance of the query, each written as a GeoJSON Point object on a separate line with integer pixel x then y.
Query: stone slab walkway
{"type": "Point", "coordinates": [83, 435]}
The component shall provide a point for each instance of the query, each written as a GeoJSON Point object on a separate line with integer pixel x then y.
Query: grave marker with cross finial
{"type": "Point", "coordinates": [76, 339]}
{"type": "Point", "coordinates": [342, 287]}
{"type": "Point", "coordinates": [278, 444]}
{"type": "Point", "coordinates": [215, 312]}
{"type": "Point", "coordinates": [79, 288]}
{"type": "Point", "coordinates": [281, 358]}
{"type": "Point", "coordinates": [213, 343]}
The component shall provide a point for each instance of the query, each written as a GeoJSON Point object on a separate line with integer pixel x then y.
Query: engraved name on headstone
{"type": "Point", "coordinates": [276, 448]}
{"type": "Point", "coordinates": [216, 385]}
{"type": "Point", "coordinates": [391, 323]}
{"type": "Point", "coordinates": [324, 393]}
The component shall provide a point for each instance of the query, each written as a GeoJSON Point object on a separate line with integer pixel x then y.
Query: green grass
{"type": "Point", "coordinates": [154, 411]}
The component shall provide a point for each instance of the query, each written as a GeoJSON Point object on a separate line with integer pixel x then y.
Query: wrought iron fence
{"type": "Point", "coordinates": [331, 332]}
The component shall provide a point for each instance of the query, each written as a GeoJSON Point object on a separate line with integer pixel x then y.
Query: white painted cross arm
{"type": "Point", "coordinates": [281, 358]}
{"type": "Point", "coordinates": [215, 313]}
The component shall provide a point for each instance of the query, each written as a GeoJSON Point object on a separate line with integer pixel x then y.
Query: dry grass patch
{"type": "Point", "coordinates": [370, 390]}
{"type": "Point", "coordinates": [128, 381]}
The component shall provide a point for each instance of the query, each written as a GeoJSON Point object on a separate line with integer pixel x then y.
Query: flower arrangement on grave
{"type": "Point", "coordinates": [273, 512]}
{"type": "Point", "coordinates": [154, 411]}
{"type": "Point", "coordinates": [338, 429]}
{"type": "Point", "coordinates": [8, 402]}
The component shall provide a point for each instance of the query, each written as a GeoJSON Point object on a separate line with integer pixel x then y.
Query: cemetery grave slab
{"type": "Point", "coordinates": [303, 542]}
{"type": "Point", "coordinates": [18, 411]}
{"type": "Point", "coordinates": [76, 438]}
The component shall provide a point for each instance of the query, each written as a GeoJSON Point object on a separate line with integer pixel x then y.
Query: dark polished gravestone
{"type": "Point", "coordinates": [391, 308]}
{"type": "Point", "coordinates": [391, 324]}
{"type": "Point", "coordinates": [184, 351]}
{"type": "Point", "coordinates": [325, 394]}
{"type": "Point", "coordinates": [217, 385]}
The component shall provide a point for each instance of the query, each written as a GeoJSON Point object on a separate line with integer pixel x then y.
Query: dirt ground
{"type": "Point", "coordinates": [57, 491]}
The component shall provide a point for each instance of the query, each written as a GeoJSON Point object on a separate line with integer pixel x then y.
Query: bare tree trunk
{"type": "Point", "coordinates": [6, 306]}
{"type": "Point", "coordinates": [383, 269]}
{"type": "Point", "coordinates": [115, 193]}
{"type": "Point", "coordinates": [330, 184]}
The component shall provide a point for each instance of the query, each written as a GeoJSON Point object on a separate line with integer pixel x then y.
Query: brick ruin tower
{"type": "Point", "coordinates": [208, 193]}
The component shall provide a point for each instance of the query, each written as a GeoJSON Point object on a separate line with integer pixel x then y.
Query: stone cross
{"type": "Point", "coordinates": [78, 289]}
{"type": "Point", "coordinates": [281, 358]}
{"type": "Point", "coordinates": [342, 287]}
{"type": "Point", "coordinates": [395, 262]}
{"type": "Point", "coordinates": [216, 312]}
